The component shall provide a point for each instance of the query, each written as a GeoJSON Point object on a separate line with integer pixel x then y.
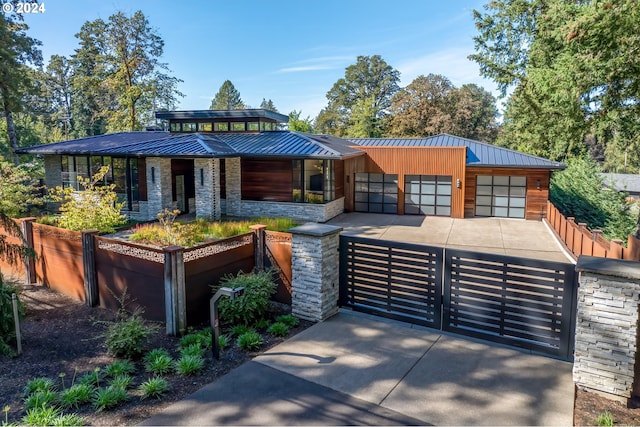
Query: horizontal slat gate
{"type": "Point", "coordinates": [520, 302]}
{"type": "Point", "coordinates": [392, 279]}
{"type": "Point", "coordinates": [516, 301]}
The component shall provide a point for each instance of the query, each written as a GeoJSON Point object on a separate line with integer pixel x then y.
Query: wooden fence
{"type": "Point", "coordinates": [580, 241]}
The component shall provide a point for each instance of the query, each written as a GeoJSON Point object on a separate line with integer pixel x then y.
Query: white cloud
{"type": "Point", "coordinates": [304, 68]}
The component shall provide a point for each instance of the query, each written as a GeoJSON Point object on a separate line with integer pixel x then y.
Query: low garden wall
{"type": "Point", "coordinates": [12, 268]}
{"type": "Point", "coordinates": [277, 248]}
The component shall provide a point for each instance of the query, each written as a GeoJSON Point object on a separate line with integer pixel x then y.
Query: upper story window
{"type": "Point", "coordinates": [253, 126]}
{"type": "Point", "coordinates": [189, 127]}
{"type": "Point", "coordinates": [221, 127]}
{"type": "Point", "coordinates": [237, 126]}
{"type": "Point", "coordinates": [174, 127]}
{"type": "Point", "coordinates": [204, 127]}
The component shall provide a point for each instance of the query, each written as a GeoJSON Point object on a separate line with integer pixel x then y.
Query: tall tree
{"type": "Point", "coordinates": [298, 124]}
{"type": "Point", "coordinates": [227, 98]}
{"type": "Point", "coordinates": [17, 51]}
{"type": "Point", "coordinates": [268, 105]}
{"type": "Point", "coordinates": [58, 90]}
{"type": "Point", "coordinates": [367, 86]}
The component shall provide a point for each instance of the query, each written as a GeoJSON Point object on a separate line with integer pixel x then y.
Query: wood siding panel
{"type": "Point", "coordinates": [536, 207]}
{"type": "Point", "coordinates": [338, 177]}
{"type": "Point", "coordinates": [447, 161]}
{"type": "Point", "coordinates": [351, 167]}
{"type": "Point", "coordinates": [267, 179]}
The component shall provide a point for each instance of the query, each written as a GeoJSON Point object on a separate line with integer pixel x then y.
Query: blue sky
{"type": "Point", "coordinates": [287, 50]}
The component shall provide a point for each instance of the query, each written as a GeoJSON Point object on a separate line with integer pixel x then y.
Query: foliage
{"type": "Point", "coordinates": [223, 342]}
{"type": "Point", "coordinates": [238, 330]}
{"type": "Point", "coordinates": [127, 338]}
{"type": "Point", "coordinates": [41, 398]}
{"type": "Point", "coordinates": [192, 350]}
{"type": "Point", "coordinates": [158, 363]}
{"type": "Point", "coordinates": [253, 303]}
{"type": "Point", "coordinates": [76, 395]}
{"type": "Point", "coordinates": [96, 206]}
{"type": "Point", "coordinates": [154, 387]}
{"type": "Point", "coordinates": [18, 192]}
{"type": "Point", "coordinates": [91, 379]}
{"type": "Point", "coordinates": [605, 419]}
{"type": "Point", "coordinates": [108, 397]}
{"type": "Point", "coordinates": [299, 125]}
{"type": "Point", "coordinates": [202, 338]}
{"type": "Point", "coordinates": [268, 105]}
{"type": "Point", "coordinates": [39, 384]}
{"type": "Point", "coordinates": [119, 367]}
{"type": "Point", "coordinates": [121, 381]}
{"type": "Point", "coordinates": [249, 341]}
{"type": "Point", "coordinates": [261, 324]}
{"type": "Point", "coordinates": [358, 102]}
{"type": "Point", "coordinates": [579, 191]}
{"type": "Point", "coordinates": [7, 322]}
{"type": "Point", "coordinates": [227, 98]}
{"type": "Point", "coordinates": [279, 329]}
{"type": "Point", "coordinates": [289, 320]}
{"type": "Point", "coordinates": [189, 364]}
{"type": "Point", "coordinates": [51, 416]}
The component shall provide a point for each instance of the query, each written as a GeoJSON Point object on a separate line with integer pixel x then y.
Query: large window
{"type": "Point", "coordinates": [204, 127]}
{"type": "Point", "coordinates": [313, 181]}
{"type": "Point", "coordinates": [237, 126]}
{"type": "Point", "coordinates": [221, 127]}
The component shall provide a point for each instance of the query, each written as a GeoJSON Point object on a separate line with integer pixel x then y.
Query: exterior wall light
{"type": "Point", "coordinates": [213, 310]}
{"type": "Point", "coordinates": [201, 176]}
{"type": "Point", "coordinates": [458, 183]}
{"type": "Point", "coordinates": [153, 174]}
{"type": "Point", "coordinates": [538, 184]}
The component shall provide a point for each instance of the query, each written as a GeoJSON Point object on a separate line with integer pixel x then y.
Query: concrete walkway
{"type": "Point", "coordinates": [360, 370]}
{"type": "Point", "coordinates": [516, 237]}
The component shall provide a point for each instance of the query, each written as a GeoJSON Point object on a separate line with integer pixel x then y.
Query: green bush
{"type": "Point", "coordinates": [250, 341]}
{"type": "Point", "coordinates": [201, 338]}
{"type": "Point", "coordinates": [289, 320]}
{"type": "Point", "coordinates": [41, 398]}
{"type": "Point", "coordinates": [238, 330]}
{"type": "Point", "coordinates": [121, 381]}
{"type": "Point", "coordinates": [158, 363]}
{"type": "Point", "coordinates": [279, 329]}
{"type": "Point", "coordinates": [223, 342]}
{"type": "Point", "coordinates": [108, 397]}
{"type": "Point", "coordinates": [51, 416]}
{"type": "Point", "coordinates": [605, 419]}
{"type": "Point", "coordinates": [127, 338]}
{"type": "Point", "coordinates": [579, 191]}
{"type": "Point", "coordinates": [91, 379]}
{"type": "Point", "coordinates": [120, 367]}
{"type": "Point", "coordinates": [76, 395]}
{"type": "Point", "coordinates": [39, 384]}
{"type": "Point", "coordinates": [253, 304]}
{"type": "Point", "coordinates": [154, 387]}
{"type": "Point", "coordinates": [192, 350]}
{"type": "Point", "coordinates": [7, 325]}
{"type": "Point", "coordinates": [189, 364]}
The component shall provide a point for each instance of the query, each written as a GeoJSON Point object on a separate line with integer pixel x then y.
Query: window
{"type": "Point", "coordinates": [253, 126]}
{"type": "Point", "coordinates": [313, 181]}
{"type": "Point", "coordinates": [237, 126]}
{"type": "Point", "coordinates": [188, 127]}
{"type": "Point", "coordinates": [174, 127]}
{"type": "Point", "coordinates": [221, 127]}
{"type": "Point", "coordinates": [204, 127]}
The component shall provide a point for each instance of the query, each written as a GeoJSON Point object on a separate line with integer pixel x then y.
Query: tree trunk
{"type": "Point", "coordinates": [11, 130]}
{"type": "Point", "coordinates": [132, 117]}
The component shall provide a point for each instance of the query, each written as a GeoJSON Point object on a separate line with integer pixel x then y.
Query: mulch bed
{"type": "Point", "coordinates": [61, 335]}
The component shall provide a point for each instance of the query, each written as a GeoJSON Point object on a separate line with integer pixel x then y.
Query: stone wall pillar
{"type": "Point", "coordinates": [207, 183]}
{"type": "Point", "coordinates": [52, 170]}
{"type": "Point", "coordinates": [606, 343]}
{"type": "Point", "coordinates": [315, 287]}
{"type": "Point", "coordinates": [159, 193]}
{"type": "Point", "coordinates": [233, 176]}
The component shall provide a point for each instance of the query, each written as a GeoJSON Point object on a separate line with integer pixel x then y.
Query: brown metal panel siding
{"type": "Point", "coordinates": [338, 177]}
{"type": "Point", "coordinates": [536, 198]}
{"type": "Point", "coordinates": [447, 161]}
{"type": "Point", "coordinates": [351, 167]}
{"type": "Point", "coordinates": [267, 179]}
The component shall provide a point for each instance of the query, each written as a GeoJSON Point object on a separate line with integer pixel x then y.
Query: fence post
{"type": "Point", "coordinates": [91, 293]}
{"type": "Point", "coordinates": [615, 249]}
{"type": "Point", "coordinates": [26, 226]}
{"type": "Point", "coordinates": [174, 290]}
{"type": "Point", "coordinates": [581, 226]}
{"type": "Point", "coordinates": [259, 245]}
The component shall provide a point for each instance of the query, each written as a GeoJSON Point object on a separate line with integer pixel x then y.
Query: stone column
{"type": "Point", "coordinates": [315, 267]}
{"type": "Point", "coordinates": [159, 194]}
{"type": "Point", "coordinates": [606, 344]}
{"type": "Point", "coordinates": [233, 175]}
{"type": "Point", "coordinates": [207, 183]}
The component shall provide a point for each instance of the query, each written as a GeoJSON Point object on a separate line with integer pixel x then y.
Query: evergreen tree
{"type": "Point", "coordinates": [227, 98]}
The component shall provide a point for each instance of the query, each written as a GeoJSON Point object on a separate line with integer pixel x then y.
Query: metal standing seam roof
{"type": "Point", "coordinates": [165, 144]}
{"type": "Point", "coordinates": [479, 154]}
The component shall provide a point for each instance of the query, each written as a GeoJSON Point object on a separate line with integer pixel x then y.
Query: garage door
{"type": "Point", "coordinates": [376, 192]}
{"type": "Point", "coordinates": [501, 196]}
{"type": "Point", "coordinates": [427, 195]}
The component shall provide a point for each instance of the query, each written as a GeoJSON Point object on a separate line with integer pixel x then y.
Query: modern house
{"type": "Point", "coordinates": [240, 163]}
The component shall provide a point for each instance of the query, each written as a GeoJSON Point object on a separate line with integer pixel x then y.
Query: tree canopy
{"type": "Point", "coordinates": [227, 98]}
{"type": "Point", "coordinates": [268, 105]}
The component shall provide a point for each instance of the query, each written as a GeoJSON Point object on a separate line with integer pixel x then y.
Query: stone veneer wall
{"type": "Point", "coordinates": [158, 185]}
{"type": "Point", "coordinates": [207, 203]}
{"type": "Point", "coordinates": [300, 211]}
{"type": "Point", "coordinates": [233, 186]}
{"type": "Point", "coordinates": [52, 171]}
{"type": "Point", "coordinates": [315, 284]}
{"type": "Point", "coordinates": [606, 341]}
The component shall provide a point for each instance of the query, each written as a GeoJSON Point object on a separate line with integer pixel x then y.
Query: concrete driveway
{"type": "Point", "coordinates": [355, 369]}
{"type": "Point", "coordinates": [515, 237]}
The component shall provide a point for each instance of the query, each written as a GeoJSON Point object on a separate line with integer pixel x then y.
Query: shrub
{"type": "Point", "coordinates": [279, 329]}
{"type": "Point", "coordinates": [605, 419]}
{"type": "Point", "coordinates": [223, 342]}
{"type": "Point", "coordinates": [192, 350]}
{"type": "Point", "coordinates": [76, 395]}
{"type": "Point", "coordinates": [189, 364]}
{"type": "Point", "coordinates": [201, 338]}
{"type": "Point", "coordinates": [95, 207]}
{"type": "Point", "coordinates": [108, 397]}
{"type": "Point", "coordinates": [7, 325]}
{"type": "Point", "coordinates": [51, 416]}
{"type": "Point", "coordinates": [289, 320]}
{"type": "Point", "coordinates": [127, 338]}
{"type": "Point", "coordinates": [261, 324]}
{"type": "Point", "coordinates": [154, 387]}
{"type": "Point", "coordinates": [38, 385]}
{"type": "Point", "coordinates": [91, 379]}
{"type": "Point", "coordinates": [119, 367]}
{"type": "Point", "coordinates": [238, 330]}
{"type": "Point", "coordinates": [41, 398]}
{"type": "Point", "coordinates": [250, 341]}
{"type": "Point", "coordinates": [121, 381]}
{"type": "Point", "coordinates": [158, 362]}
{"type": "Point", "coordinates": [253, 304]}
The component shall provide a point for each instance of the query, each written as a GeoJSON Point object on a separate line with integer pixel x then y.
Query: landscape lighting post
{"type": "Point", "coordinates": [213, 311]}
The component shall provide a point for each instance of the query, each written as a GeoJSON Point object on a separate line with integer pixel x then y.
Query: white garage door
{"type": "Point", "coordinates": [501, 196]}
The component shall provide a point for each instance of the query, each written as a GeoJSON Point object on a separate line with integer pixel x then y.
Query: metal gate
{"type": "Point", "coordinates": [515, 301]}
